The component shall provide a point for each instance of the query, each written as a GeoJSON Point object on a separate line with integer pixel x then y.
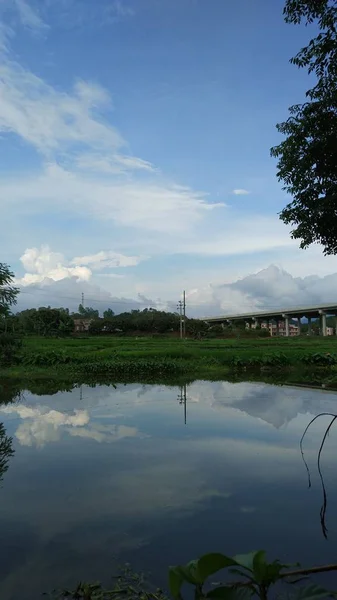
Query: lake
{"type": "Point", "coordinates": [102, 476]}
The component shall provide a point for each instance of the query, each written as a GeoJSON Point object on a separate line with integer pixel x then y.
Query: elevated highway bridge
{"type": "Point", "coordinates": [284, 315]}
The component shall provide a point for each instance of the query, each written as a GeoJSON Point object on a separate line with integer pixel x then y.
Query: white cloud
{"type": "Point", "coordinates": [43, 425]}
{"type": "Point", "coordinates": [50, 120]}
{"type": "Point", "coordinates": [276, 406]}
{"type": "Point", "coordinates": [145, 205]}
{"type": "Point", "coordinates": [105, 259]}
{"type": "Point", "coordinates": [271, 288]}
{"type": "Point", "coordinates": [114, 164]}
{"type": "Point", "coordinates": [103, 433]}
{"type": "Point", "coordinates": [251, 234]}
{"type": "Point", "coordinates": [240, 192]}
{"type": "Point", "coordinates": [83, 160]}
{"type": "Point", "coordinates": [29, 18]}
{"type": "Point", "coordinates": [120, 8]}
{"type": "Point", "coordinates": [42, 264]}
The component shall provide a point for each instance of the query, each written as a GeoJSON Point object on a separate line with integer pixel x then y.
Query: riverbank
{"type": "Point", "coordinates": [126, 358]}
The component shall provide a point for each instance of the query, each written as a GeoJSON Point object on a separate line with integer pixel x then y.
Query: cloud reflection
{"type": "Point", "coordinates": [41, 425]}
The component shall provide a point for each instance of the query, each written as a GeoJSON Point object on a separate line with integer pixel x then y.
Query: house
{"type": "Point", "coordinates": [280, 330]}
{"type": "Point", "coordinates": [82, 325]}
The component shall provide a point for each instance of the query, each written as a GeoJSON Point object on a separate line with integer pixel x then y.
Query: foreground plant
{"type": "Point", "coordinates": [256, 577]}
{"type": "Point", "coordinates": [128, 585]}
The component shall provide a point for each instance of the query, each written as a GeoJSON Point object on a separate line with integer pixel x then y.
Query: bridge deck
{"type": "Point", "coordinates": [296, 311]}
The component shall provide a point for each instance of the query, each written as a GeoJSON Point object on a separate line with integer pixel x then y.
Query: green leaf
{"type": "Point", "coordinates": [211, 563]}
{"type": "Point", "coordinates": [246, 560]}
{"type": "Point", "coordinates": [312, 592]}
{"type": "Point", "coordinates": [260, 566]}
{"type": "Point", "coordinates": [176, 580]}
{"type": "Point", "coordinates": [230, 593]}
{"type": "Point", "coordinates": [183, 573]}
{"type": "Point", "coordinates": [190, 572]}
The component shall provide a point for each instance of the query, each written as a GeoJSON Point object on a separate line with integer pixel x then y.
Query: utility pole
{"type": "Point", "coordinates": [180, 308]}
{"type": "Point", "coordinates": [182, 399]}
{"type": "Point", "coordinates": [184, 309]}
{"type": "Point", "coordinates": [82, 299]}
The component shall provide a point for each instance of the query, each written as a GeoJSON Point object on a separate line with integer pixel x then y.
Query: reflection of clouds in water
{"type": "Point", "coordinates": [41, 426]}
{"type": "Point", "coordinates": [103, 433]}
{"type": "Point", "coordinates": [247, 509]}
{"type": "Point", "coordinates": [273, 404]}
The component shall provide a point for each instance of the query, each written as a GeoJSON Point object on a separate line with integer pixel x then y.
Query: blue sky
{"type": "Point", "coordinates": [135, 137]}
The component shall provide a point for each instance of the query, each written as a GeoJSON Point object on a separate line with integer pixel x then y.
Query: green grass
{"type": "Point", "coordinates": [146, 357]}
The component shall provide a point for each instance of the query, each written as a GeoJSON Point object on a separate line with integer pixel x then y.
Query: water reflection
{"type": "Point", "coordinates": [6, 451]}
{"type": "Point", "coordinates": [156, 475]}
{"type": "Point", "coordinates": [324, 505]}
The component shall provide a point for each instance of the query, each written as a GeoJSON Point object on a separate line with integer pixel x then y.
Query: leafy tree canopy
{"type": "Point", "coordinates": [307, 158]}
{"type": "Point", "coordinates": [8, 292]}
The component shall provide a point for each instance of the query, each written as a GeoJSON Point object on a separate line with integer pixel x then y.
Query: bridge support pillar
{"type": "Point", "coordinates": [309, 326]}
{"type": "Point", "coordinates": [323, 322]}
{"type": "Point", "coordinates": [286, 321]}
{"type": "Point", "coordinates": [299, 325]}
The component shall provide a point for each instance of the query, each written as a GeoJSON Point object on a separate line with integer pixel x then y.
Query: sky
{"type": "Point", "coordinates": [134, 152]}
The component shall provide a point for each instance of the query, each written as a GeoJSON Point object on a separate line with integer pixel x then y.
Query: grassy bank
{"type": "Point", "coordinates": [147, 358]}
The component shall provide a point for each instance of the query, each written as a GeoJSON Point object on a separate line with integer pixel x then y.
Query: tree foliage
{"type": "Point", "coordinates": [148, 320]}
{"type": "Point", "coordinates": [44, 321]}
{"type": "Point", "coordinates": [87, 313]}
{"type": "Point", "coordinates": [8, 292]}
{"type": "Point", "coordinates": [307, 158]}
{"type": "Point", "coordinates": [6, 450]}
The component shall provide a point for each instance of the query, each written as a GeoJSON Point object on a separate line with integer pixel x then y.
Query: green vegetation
{"type": "Point", "coordinates": [307, 158]}
{"type": "Point", "coordinates": [254, 578]}
{"type": "Point", "coordinates": [9, 343]}
{"type": "Point", "coordinates": [149, 358]}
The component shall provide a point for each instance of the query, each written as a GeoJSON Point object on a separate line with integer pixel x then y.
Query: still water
{"type": "Point", "coordinates": [103, 476]}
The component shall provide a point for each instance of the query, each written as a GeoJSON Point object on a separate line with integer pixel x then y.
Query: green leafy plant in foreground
{"type": "Point", "coordinates": [254, 577]}
{"type": "Point", "coordinates": [128, 585]}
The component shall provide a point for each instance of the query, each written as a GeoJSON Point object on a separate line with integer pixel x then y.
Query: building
{"type": "Point", "coordinates": [82, 325]}
{"type": "Point", "coordinates": [280, 329]}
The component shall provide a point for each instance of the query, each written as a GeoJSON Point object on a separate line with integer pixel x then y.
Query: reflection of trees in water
{"type": "Point", "coordinates": [9, 392]}
{"type": "Point", "coordinates": [6, 450]}
{"type": "Point", "coordinates": [319, 455]}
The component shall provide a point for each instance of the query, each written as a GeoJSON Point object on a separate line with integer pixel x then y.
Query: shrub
{"type": "Point", "coordinates": [9, 348]}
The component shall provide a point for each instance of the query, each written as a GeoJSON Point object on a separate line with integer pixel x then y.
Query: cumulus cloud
{"type": "Point", "coordinates": [42, 425]}
{"type": "Point", "coordinates": [270, 288]}
{"type": "Point", "coordinates": [43, 264]}
{"type": "Point", "coordinates": [277, 406]}
{"type": "Point", "coordinates": [53, 280]}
